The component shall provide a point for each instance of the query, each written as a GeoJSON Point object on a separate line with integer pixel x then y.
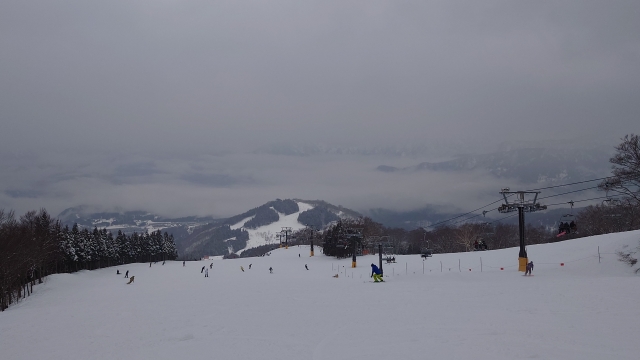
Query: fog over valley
{"type": "Point", "coordinates": [210, 109]}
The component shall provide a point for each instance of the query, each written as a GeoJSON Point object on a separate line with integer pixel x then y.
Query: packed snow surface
{"type": "Point", "coordinates": [446, 307]}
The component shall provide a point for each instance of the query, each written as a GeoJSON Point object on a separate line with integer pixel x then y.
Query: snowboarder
{"type": "Point", "coordinates": [241, 268]}
{"type": "Point", "coordinates": [202, 269]}
{"type": "Point", "coordinates": [305, 266]}
{"type": "Point", "coordinates": [131, 280]}
{"type": "Point", "coordinates": [375, 273]}
{"type": "Point", "coordinates": [529, 268]}
{"type": "Point", "coordinates": [211, 266]}
{"type": "Point", "coordinates": [206, 272]}
{"type": "Point", "coordinates": [249, 266]}
{"type": "Point", "coordinates": [126, 275]}
{"type": "Point", "coordinates": [270, 270]}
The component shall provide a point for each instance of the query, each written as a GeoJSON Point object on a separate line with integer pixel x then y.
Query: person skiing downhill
{"type": "Point", "coordinates": [206, 272]}
{"type": "Point", "coordinates": [202, 270]}
{"type": "Point", "coordinates": [270, 270]}
{"type": "Point", "coordinates": [305, 266]}
{"type": "Point", "coordinates": [529, 268]}
{"type": "Point", "coordinates": [376, 274]}
{"type": "Point", "coordinates": [126, 275]}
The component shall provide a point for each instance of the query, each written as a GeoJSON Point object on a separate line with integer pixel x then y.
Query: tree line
{"type": "Point", "coordinates": [36, 245]}
{"type": "Point", "coordinates": [592, 220]}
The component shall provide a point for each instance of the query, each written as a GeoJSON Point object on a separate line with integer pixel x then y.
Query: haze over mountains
{"type": "Point", "coordinates": [213, 108]}
{"type": "Point", "coordinates": [479, 175]}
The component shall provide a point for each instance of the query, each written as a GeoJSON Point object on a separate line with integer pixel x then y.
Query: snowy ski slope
{"type": "Point", "coordinates": [267, 234]}
{"type": "Point", "coordinates": [582, 310]}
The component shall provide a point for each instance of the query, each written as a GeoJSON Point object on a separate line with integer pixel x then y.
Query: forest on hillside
{"type": "Point", "coordinates": [36, 245]}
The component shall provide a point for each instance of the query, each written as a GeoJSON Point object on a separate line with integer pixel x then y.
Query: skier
{"type": "Point", "coordinates": [162, 262]}
{"type": "Point", "coordinates": [241, 268]}
{"type": "Point", "coordinates": [529, 268]}
{"type": "Point", "coordinates": [117, 272]}
{"type": "Point", "coordinates": [211, 266]}
{"type": "Point", "coordinates": [298, 255]}
{"type": "Point", "coordinates": [183, 263]}
{"type": "Point", "coordinates": [270, 270]}
{"type": "Point", "coordinates": [126, 275]}
{"type": "Point", "coordinates": [305, 266]}
{"type": "Point", "coordinates": [249, 266]}
{"type": "Point", "coordinates": [206, 272]}
{"type": "Point", "coordinates": [149, 264]}
{"type": "Point", "coordinates": [375, 274]}
{"type": "Point", "coordinates": [202, 269]}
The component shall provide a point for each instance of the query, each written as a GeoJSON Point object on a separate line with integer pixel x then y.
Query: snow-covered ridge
{"type": "Point", "coordinates": [266, 234]}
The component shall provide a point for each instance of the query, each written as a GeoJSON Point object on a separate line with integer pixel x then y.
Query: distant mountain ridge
{"type": "Point", "coordinates": [132, 221]}
{"type": "Point", "coordinates": [198, 236]}
{"type": "Point", "coordinates": [526, 165]}
{"type": "Point", "coordinates": [260, 225]}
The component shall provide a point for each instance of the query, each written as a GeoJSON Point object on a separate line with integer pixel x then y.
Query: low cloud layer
{"type": "Point", "coordinates": [226, 185]}
{"type": "Point", "coordinates": [160, 105]}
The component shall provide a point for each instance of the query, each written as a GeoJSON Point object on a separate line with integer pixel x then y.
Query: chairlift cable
{"type": "Point", "coordinates": [568, 192]}
{"type": "Point", "coordinates": [465, 214]}
{"type": "Point", "coordinates": [546, 197]}
{"type": "Point", "coordinates": [574, 183]}
{"type": "Point", "coordinates": [577, 201]}
{"type": "Point", "coordinates": [562, 203]}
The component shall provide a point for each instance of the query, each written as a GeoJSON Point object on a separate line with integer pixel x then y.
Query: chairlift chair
{"type": "Point", "coordinates": [567, 224]}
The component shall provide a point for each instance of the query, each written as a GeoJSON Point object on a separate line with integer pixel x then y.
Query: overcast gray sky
{"type": "Point", "coordinates": [159, 105]}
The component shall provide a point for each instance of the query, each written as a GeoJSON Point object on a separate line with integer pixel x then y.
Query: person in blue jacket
{"type": "Point", "coordinates": [375, 273]}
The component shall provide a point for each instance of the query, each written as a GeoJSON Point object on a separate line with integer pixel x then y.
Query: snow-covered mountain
{"type": "Point", "coordinates": [259, 226]}
{"type": "Point", "coordinates": [199, 236]}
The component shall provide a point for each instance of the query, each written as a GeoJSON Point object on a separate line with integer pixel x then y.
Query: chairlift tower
{"type": "Point", "coordinates": [310, 232]}
{"type": "Point", "coordinates": [280, 236]}
{"type": "Point", "coordinates": [354, 235]}
{"type": "Point", "coordinates": [522, 203]}
{"type": "Point", "coordinates": [379, 240]}
{"type": "Point", "coordinates": [286, 233]}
